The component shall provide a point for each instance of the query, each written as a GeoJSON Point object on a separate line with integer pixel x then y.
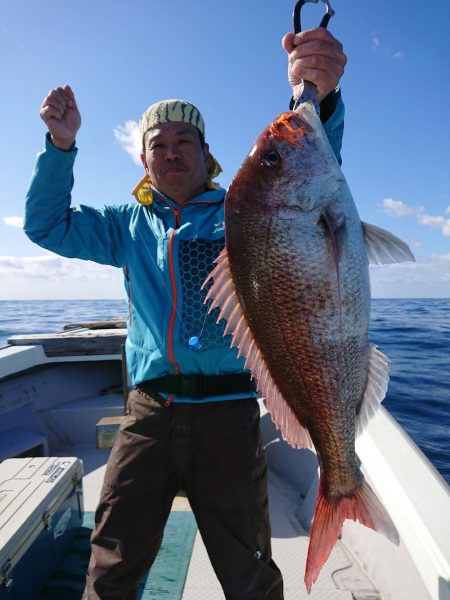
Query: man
{"type": "Point", "coordinates": [192, 416]}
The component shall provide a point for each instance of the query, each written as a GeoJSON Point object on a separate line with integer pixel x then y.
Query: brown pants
{"type": "Point", "coordinates": [214, 452]}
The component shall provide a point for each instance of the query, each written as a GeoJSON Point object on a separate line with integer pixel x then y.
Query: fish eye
{"type": "Point", "coordinates": [271, 158]}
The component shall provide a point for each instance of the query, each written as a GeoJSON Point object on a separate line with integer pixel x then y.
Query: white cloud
{"type": "Point", "coordinates": [426, 278]}
{"type": "Point", "coordinates": [52, 276]}
{"type": "Point", "coordinates": [52, 266]}
{"type": "Point", "coordinates": [398, 208]}
{"type": "Point", "coordinates": [435, 222]}
{"type": "Point", "coordinates": [379, 47]}
{"type": "Point", "coordinates": [129, 138]}
{"type": "Point", "coordinates": [13, 222]}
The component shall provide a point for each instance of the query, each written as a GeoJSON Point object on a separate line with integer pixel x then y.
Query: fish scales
{"type": "Point", "coordinates": [293, 312]}
{"type": "Point", "coordinates": [296, 256]}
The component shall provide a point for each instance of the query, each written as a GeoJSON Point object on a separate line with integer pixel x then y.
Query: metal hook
{"type": "Point", "coordinates": [309, 89]}
{"type": "Point", "coordinates": [298, 7]}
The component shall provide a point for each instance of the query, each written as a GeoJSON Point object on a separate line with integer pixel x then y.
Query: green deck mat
{"type": "Point", "coordinates": [164, 580]}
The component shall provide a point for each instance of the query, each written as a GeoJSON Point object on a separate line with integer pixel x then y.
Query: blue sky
{"type": "Point", "coordinates": [226, 58]}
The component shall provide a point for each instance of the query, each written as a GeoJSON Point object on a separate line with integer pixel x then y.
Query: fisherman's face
{"type": "Point", "coordinates": [175, 160]}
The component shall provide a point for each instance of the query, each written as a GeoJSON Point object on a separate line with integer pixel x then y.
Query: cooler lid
{"type": "Point", "coordinates": [31, 491]}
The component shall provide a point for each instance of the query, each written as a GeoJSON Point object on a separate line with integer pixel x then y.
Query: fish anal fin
{"type": "Point", "coordinates": [377, 384]}
{"type": "Point", "coordinates": [383, 247]}
{"type": "Point", "coordinates": [362, 506]}
{"type": "Point", "coordinates": [222, 293]}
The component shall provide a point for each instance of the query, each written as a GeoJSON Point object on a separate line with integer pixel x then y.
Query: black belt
{"type": "Point", "coordinates": [198, 386]}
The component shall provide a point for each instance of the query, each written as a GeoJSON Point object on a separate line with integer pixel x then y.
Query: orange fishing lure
{"type": "Point", "coordinates": [282, 128]}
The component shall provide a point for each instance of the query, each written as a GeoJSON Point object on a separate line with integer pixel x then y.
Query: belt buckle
{"type": "Point", "coordinates": [192, 385]}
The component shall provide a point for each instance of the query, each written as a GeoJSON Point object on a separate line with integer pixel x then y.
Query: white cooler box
{"type": "Point", "coordinates": [41, 509]}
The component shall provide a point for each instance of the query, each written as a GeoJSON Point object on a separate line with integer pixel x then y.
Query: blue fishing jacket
{"type": "Point", "coordinates": [166, 252]}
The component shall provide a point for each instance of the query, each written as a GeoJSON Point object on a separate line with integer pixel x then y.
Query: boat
{"type": "Point", "coordinates": [62, 395]}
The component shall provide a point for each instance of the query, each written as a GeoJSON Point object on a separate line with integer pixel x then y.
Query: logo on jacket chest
{"type": "Point", "coordinates": [220, 226]}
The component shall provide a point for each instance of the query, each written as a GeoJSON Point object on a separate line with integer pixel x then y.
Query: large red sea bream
{"type": "Point", "coordinates": [293, 285]}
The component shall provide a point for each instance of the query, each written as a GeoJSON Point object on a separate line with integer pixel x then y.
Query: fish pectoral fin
{"type": "Point", "coordinates": [383, 247]}
{"type": "Point", "coordinates": [223, 294]}
{"type": "Point", "coordinates": [334, 224]}
{"type": "Point", "coordinates": [377, 384]}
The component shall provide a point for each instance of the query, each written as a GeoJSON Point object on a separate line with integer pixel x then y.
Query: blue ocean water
{"type": "Point", "coordinates": [414, 334]}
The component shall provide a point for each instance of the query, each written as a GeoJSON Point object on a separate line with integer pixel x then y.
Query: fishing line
{"type": "Point", "coordinates": [45, 71]}
{"type": "Point", "coordinates": [195, 342]}
{"type": "Point", "coordinates": [18, 44]}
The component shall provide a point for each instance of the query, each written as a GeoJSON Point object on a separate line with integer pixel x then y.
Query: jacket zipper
{"type": "Point", "coordinates": [176, 213]}
{"type": "Point", "coordinates": [130, 296]}
{"type": "Point", "coordinates": [173, 313]}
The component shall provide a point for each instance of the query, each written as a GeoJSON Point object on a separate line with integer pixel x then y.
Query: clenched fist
{"type": "Point", "coordinates": [316, 56]}
{"type": "Point", "coordinates": [60, 113]}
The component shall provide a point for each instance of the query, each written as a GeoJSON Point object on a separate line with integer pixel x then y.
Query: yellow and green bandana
{"type": "Point", "coordinates": [167, 111]}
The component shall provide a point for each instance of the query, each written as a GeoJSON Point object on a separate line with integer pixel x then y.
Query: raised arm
{"type": "Point", "coordinates": [50, 220]}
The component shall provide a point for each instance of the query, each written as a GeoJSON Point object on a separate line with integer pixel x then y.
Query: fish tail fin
{"type": "Point", "coordinates": [362, 506]}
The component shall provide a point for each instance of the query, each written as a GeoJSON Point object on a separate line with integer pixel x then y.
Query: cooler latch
{"type": "Point", "coordinates": [47, 519]}
{"type": "Point", "coordinates": [5, 576]}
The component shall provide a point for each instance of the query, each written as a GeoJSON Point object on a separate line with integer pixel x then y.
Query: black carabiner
{"type": "Point", "coordinates": [309, 89]}
{"type": "Point", "coordinates": [298, 7]}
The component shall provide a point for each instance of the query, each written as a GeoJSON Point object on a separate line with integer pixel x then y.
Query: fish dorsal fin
{"type": "Point", "coordinates": [223, 294]}
{"type": "Point", "coordinates": [383, 247]}
{"type": "Point", "coordinates": [377, 384]}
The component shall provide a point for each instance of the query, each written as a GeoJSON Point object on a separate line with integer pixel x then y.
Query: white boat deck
{"type": "Point", "coordinates": [363, 565]}
{"type": "Point", "coordinates": [341, 577]}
